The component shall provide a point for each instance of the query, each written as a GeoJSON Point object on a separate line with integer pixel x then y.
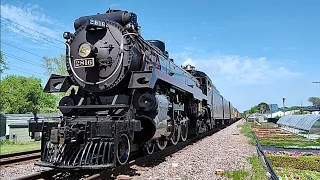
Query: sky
{"type": "Point", "coordinates": [253, 51]}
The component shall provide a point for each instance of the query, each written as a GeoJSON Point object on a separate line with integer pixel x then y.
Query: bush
{"type": "Point", "coordinates": [302, 162]}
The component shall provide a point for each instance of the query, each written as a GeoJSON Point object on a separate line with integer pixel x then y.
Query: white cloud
{"type": "Point", "coordinates": [241, 70]}
{"type": "Point", "coordinates": [29, 22]}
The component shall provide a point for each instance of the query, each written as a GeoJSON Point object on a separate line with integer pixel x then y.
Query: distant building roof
{"type": "Point", "coordinates": [23, 119]}
{"type": "Point", "coordinates": [304, 122]}
{"type": "Point", "coordinates": [254, 115]}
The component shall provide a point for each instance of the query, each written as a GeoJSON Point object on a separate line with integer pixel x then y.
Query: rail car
{"type": "Point", "coordinates": [125, 94]}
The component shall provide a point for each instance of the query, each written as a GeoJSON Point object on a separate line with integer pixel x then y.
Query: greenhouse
{"type": "Point", "coordinates": [307, 125]}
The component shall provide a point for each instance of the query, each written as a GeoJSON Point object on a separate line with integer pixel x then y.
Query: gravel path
{"type": "Point", "coordinates": [20, 171]}
{"type": "Point", "coordinates": [227, 149]}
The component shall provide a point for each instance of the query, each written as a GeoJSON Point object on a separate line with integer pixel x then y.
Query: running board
{"type": "Point", "coordinates": [115, 106]}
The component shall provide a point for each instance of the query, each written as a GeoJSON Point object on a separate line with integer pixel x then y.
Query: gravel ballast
{"type": "Point", "coordinates": [20, 171]}
{"type": "Point", "coordinates": [227, 149]}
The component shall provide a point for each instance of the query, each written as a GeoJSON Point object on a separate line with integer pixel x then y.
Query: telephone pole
{"type": "Point", "coordinates": [283, 99]}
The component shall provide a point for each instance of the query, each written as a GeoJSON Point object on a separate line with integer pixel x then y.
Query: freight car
{"type": "Point", "coordinates": [131, 96]}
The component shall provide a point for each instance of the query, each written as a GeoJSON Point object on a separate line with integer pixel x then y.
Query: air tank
{"type": "Point", "coordinates": [121, 17]}
{"type": "Point", "coordinates": [159, 44]}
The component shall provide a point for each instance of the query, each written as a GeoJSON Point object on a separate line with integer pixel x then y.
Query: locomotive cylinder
{"type": "Point", "coordinates": [161, 120]}
{"type": "Point", "coordinates": [154, 127]}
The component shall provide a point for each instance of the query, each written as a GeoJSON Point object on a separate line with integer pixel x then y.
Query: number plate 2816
{"type": "Point", "coordinates": [81, 63]}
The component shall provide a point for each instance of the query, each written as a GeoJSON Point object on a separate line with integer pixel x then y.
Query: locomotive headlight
{"type": "Point", "coordinates": [85, 50]}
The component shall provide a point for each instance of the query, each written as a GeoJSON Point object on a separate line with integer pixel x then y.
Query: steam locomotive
{"type": "Point", "coordinates": [125, 94]}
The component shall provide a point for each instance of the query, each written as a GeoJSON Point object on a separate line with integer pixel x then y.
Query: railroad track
{"type": "Point", "coordinates": [9, 159]}
{"type": "Point", "coordinates": [146, 159]}
{"type": "Point", "coordinates": [114, 172]}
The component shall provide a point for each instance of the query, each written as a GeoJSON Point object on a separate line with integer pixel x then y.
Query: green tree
{"type": "Point", "coordinates": [277, 117]}
{"type": "Point", "coordinates": [300, 112]}
{"type": "Point", "coordinates": [57, 66]}
{"type": "Point", "coordinates": [22, 95]}
{"type": "Point", "coordinates": [314, 100]}
{"type": "Point", "coordinates": [3, 64]}
{"type": "Point", "coordinates": [263, 107]}
{"type": "Point", "coordinates": [293, 108]}
{"type": "Point", "coordinates": [254, 109]}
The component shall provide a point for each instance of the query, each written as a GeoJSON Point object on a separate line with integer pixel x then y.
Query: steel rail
{"type": "Point", "coordinates": [19, 157]}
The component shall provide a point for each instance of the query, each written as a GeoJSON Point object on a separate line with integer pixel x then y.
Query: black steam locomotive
{"type": "Point", "coordinates": [130, 97]}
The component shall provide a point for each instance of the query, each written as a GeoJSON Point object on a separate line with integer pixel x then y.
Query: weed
{"type": "Point", "coordinates": [259, 172]}
{"type": "Point", "coordinates": [236, 175]}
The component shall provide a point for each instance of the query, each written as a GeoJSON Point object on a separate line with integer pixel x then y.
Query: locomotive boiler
{"type": "Point", "coordinates": [124, 94]}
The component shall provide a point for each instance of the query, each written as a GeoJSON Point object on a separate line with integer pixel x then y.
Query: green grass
{"type": "Point", "coordinates": [236, 175]}
{"type": "Point", "coordinates": [259, 172]}
{"type": "Point", "coordinates": [7, 147]}
{"type": "Point", "coordinates": [246, 130]}
{"type": "Point", "coordinates": [268, 123]}
{"type": "Point", "coordinates": [285, 143]}
{"type": "Point", "coordinates": [281, 136]}
{"type": "Point", "coordinates": [295, 162]}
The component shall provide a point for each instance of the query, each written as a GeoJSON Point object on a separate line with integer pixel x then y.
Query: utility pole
{"type": "Point", "coordinates": [283, 99]}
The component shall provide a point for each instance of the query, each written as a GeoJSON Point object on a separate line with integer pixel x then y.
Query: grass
{"type": "Point", "coordinates": [236, 175]}
{"type": "Point", "coordinates": [295, 162]}
{"type": "Point", "coordinates": [259, 172]}
{"type": "Point", "coordinates": [246, 130]}
{"type": "Point", "coordinates": [281, 136]}
{"type": "Point", "coordinates": [285, 143]}
{"type": "Point", "coordinates": [7, 147]}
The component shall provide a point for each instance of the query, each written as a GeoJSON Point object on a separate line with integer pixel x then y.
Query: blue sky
{"type": "Point", "coordinates": [253, 51]}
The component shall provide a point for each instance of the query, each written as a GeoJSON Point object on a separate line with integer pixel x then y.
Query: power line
{"type": "Point", "coordinates": [44, 41]}
{"type": "Point", "coordinates": [34, 30]}
{"type": "Point", "coordinates": [24, 60]}
{"type": "Point", "coordinates": [26, 72]}
{"type": "Point", "coordinates": [20, 49]}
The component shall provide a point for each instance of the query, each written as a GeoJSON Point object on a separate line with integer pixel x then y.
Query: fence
{"type": "Point", "coordinates": [265, 160]}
